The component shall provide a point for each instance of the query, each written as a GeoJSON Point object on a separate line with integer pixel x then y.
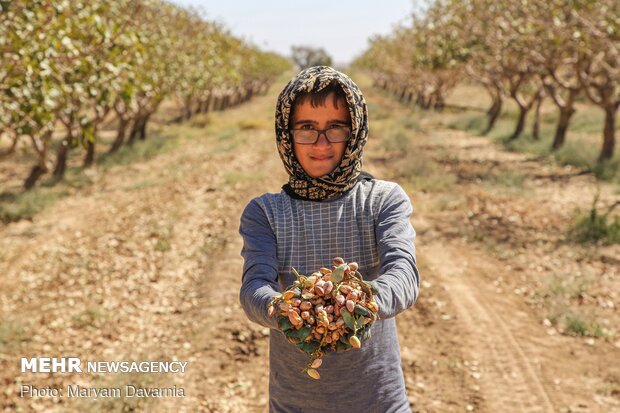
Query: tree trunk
{"type": "Point", "coordinates": [188, 109]}
{"type": "Point", "coordinates": [536, 125]}
{"type": "Point", "coordinates": [439, 101]}
{"type": "Point", "coordinates": [35, 174]}
{"type": "Point", "coordinates": [493, 113]}
{"type": "Point", "coordinates": [207, 105]}
{"type": "Point", "coordinates": [401, 95]}
{"type": "Point", "coordinates": [90, 154]}
{"type": "Point", "coordinates": [145, 120]}
{"type": "Point", "coordinates": [61, 157]}
{"type": "Point", "coordinates": [609, 138]}
{"type": "Point", "coordinates": [41, 167]}
{"type": "Point", "coordinates": [120, 135]}
{"type": "Point", "coordinates": [520, 122]}
{"type": "Point", "coordinates": [134, 130]}
{"type": "Point", "coordinates": [560, 131]}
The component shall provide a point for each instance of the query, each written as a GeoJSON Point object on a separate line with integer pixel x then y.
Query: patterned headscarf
{"type": "Point", "coordinates": [341, 179]}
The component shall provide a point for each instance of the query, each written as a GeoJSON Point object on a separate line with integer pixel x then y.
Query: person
{"type": "Point", "coordinates": [330, 208]}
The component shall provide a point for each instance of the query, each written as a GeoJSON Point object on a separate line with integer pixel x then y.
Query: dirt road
{"type": "Point", "coordinates": [144, 264]}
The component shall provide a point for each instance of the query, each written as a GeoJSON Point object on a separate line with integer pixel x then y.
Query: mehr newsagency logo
{"type": "Point", "coordinates": [75, 365]}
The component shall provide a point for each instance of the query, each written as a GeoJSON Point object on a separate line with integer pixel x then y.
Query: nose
{"type": "Point", "coordinates": [321, 142]}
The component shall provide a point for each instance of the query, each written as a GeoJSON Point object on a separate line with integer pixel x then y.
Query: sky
{"type": "Point", "coordinates": [341, 27]}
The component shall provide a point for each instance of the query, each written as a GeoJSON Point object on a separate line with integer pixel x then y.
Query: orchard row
{"type": "Point", "coordinates": [519, 50]}
{"type": "Point", "coordinates": [76, 65]}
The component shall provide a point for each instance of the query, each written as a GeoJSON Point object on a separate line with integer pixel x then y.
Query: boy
{"type": "Point", "coordinates": [330, 208]}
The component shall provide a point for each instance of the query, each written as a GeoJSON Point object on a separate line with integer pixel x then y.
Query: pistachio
{"type": "Point", "coordinates": [314, 374]}
{"type": "Point", "coordinates": [316, 363]}
{"type": "Point", "coordinates": [340, 299]}
{"type": "Point", "coordinates": [353, 266]}
{"type": "Point", "coordinates": [338, 261]}
{"type": "Point", "coordinates": [295, 318]}
{"type": "Point", "coordinates": [305, 305]}
{"type": "Point", "coordinates": [355, 342]}
{"type": "Point", "coordinates": [337, 310]}
{"type": "Point", "coordinates": [350, 306]}
{"type": "Point", "coordinates": [345, 289]}
{"type": "Point", "coordinates": [310, 281]}
{"type": "Point", "coordinates": [287, 295]}
{"type": "Point", "coordinates": [328, 287]}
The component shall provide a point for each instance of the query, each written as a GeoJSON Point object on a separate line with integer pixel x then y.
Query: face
{"type": "Point", "coordinates": [322, 157]}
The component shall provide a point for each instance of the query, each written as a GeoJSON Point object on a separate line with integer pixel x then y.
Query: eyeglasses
{"type": "Point", "coordinates": [334, 134]}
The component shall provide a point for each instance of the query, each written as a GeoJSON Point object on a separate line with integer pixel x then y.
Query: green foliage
{"type": "Point", "coordinates": [565, 51]}
{"type": "Point", "coordinates": [74, 63]}
{"type": "Point", "coordinates": [508, 179]}
{"type": "Point", "coordinates": [90, 317]}
{"type": "Point", "coordinates": [306, 56]}
{"type": "Point", "coordinates": [596, 227]}
{"type": "Point", "coordinates": [412, 166]}
{"type": "Point", "coordinates": [25, 205]}
{"type": "Point", "coordinates": [140, 151]}
{"type": "Point", "coordinates": [12, 333]}
{"type": "Point", "coordinates": [579, 326]}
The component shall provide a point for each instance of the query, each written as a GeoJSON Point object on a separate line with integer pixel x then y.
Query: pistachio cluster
{"type": "Point", "coordinates": [330, 310]}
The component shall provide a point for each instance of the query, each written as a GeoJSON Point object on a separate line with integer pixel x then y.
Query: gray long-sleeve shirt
{"type": "Point", "coordinates": [368, 224]}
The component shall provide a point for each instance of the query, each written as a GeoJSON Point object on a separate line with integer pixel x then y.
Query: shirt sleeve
{"type": "Point", "coordinates": [399, 281]}
{"type": "Point", "coordinates": [259, 282]}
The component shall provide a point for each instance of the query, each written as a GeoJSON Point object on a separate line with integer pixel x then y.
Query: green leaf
{"type": "Point", "coordinates": [338, 273]}
{"type": "Point", "coordinates": [284, 323]}
{"type": "Point", "coordinates": [302, 333]}
{"type": "Point", "coordinates": [365, 333]}
{"type": "Point", "coordinates": [361, 310]}
{"type": "Point", "coordinates": [308, 347]}
{"type": "Point", "coordinates": [349, 320]}
{"type": "Point", "coordinates": [359, 322]}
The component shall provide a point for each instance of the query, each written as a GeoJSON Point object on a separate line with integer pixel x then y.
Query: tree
{"type": "Point", "coordinates": [307, 56]}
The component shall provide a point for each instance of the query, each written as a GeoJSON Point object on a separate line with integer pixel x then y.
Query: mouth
{"type": "Point", "coordinates": [320, 158]}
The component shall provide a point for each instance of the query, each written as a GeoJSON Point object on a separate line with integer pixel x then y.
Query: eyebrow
{"type": "Point", "coordinates": [315, 122]}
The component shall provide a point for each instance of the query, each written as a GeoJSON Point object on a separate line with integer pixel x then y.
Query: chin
{"type": "Point", "coordinates": [320, 174]}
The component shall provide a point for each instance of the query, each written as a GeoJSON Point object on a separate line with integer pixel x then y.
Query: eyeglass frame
{"type": "Point", "coordinates": [319, 133]}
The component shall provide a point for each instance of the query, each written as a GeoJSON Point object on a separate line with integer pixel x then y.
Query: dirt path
{"type": "Point", "coordinates": [510, 379]}
{"type": "Point", "coordinates": [144, 264]}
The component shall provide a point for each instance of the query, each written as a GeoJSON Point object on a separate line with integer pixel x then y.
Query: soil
{"type": "Point", "coordinates": [144, 264]}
